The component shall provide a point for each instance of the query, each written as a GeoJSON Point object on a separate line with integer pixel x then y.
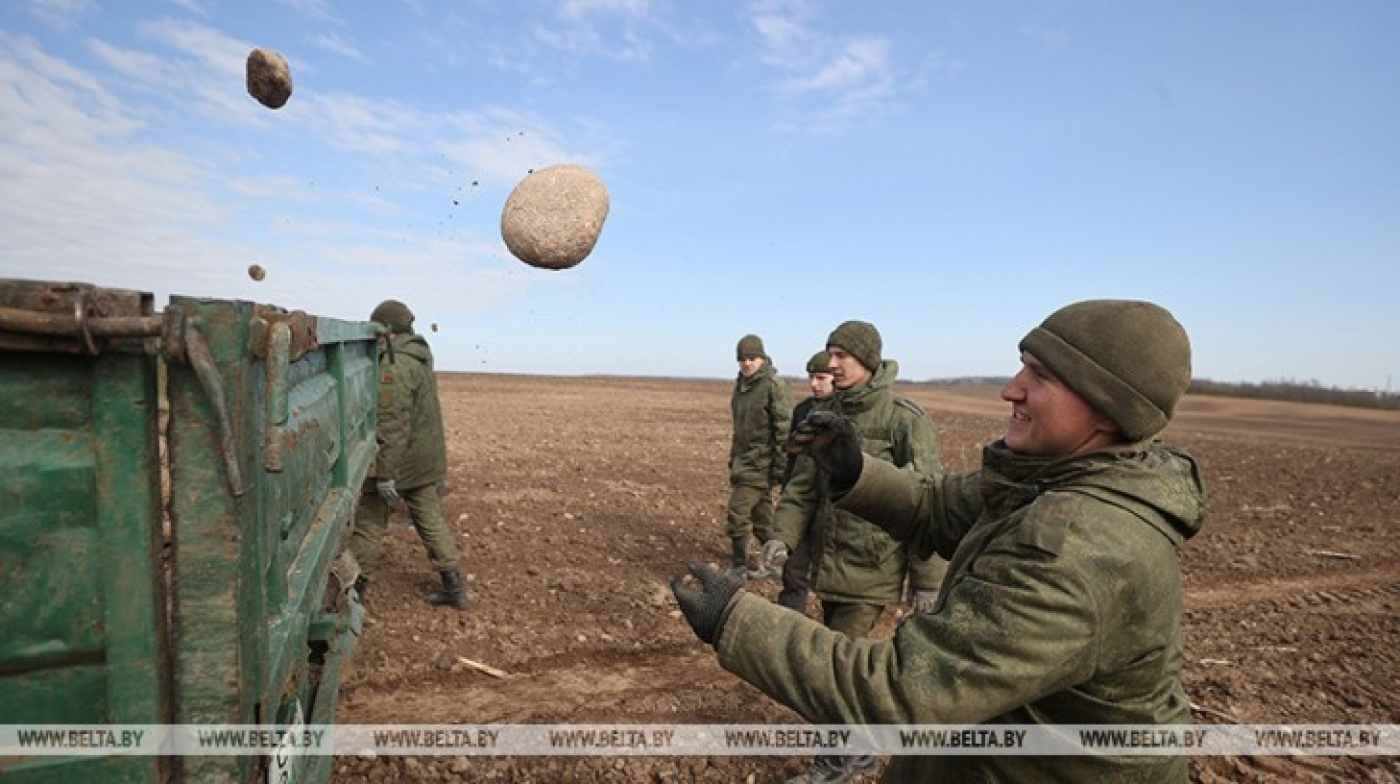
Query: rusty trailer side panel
{"type": "Point", "coordinates": [217, 595]}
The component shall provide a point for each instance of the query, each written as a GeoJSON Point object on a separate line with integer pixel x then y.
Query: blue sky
{"type": "Point", "coordinates": [951, 172]}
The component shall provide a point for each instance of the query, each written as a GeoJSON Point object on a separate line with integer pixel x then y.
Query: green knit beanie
{"type": "Point", "coordinates": [751, 346]}
{"type": "Point", "coordinates": [1129, 360]}
{"type": "Point", "coordinates": [819, 363]}
{"type": "Point", "coordinates": [393, 314]}
{"type": "Point", "coordinates": [861, 340]}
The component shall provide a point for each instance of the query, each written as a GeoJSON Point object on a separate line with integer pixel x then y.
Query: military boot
{"type": "Point", "coordinates": [739, 565]}
{"type": "Point", "coordinates": [453, 593]}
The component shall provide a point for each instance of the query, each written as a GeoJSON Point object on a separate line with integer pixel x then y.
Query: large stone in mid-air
{"type": "Point", "coordinates": [553, 217]}
{"type": "Point", "coordinates": [269, 78]}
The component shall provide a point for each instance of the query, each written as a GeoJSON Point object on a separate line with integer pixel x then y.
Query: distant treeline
{"type": "Point", "coordinates": [1298, 392]}
{"type": "Point", "coordinates": [1290, 391]}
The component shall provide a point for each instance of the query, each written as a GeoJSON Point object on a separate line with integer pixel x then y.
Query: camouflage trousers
{"type": "Point", "coordinates": [853, 619]}
{"type": "Point", "coordinates": [750, 511]}
{"type": "Point", "coordinates": [424, 508]}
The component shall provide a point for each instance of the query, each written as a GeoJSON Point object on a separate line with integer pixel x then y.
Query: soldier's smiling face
{"type": "Point", "coordinates": [1048, 419]}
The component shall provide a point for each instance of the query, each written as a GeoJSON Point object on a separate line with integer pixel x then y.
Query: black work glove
{"type": "Point", "coordinates": [704, 607]}
{"type": "Point", "coordinates": [833, 441]}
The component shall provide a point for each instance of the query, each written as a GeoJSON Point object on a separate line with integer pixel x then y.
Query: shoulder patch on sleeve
{"type": "Point", "coordinates": [905, 402]}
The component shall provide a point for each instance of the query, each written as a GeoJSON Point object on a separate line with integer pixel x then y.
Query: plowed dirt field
{"type": "Point", "coordinates": [574, 500]}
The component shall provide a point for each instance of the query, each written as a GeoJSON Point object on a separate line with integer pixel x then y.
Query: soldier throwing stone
{"type": "Point", "coordinates": [412, 459]}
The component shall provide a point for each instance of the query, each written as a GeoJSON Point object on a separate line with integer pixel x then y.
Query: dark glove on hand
{"type": "Point", "coordinates": [833, 441]}
{"type": "Point", "coordinates": [704, 607]}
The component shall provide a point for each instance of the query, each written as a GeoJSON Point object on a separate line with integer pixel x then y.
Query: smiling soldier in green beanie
{"type": "Point", "coordinates": [1062, 602]}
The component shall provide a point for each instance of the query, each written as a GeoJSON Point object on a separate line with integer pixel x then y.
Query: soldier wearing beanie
{"type": "Point", "coordinates": [750, 347]}
{"type": "Point", "coordinates": [857, 569]}
{"type": "Point", "coordinates": [1134, 375]}
{"type": "Point", "coordinates": [796, 570]}
{"type": "Point", "coordinates": [393, 314]}
{"type": "Point", "coordinates": [761, 411]}
{"type": "Point", "coordinates": [861, 340]}
{"type": "Point", "coordinates": [1062, 604]}
{"type": "Point", "coordinates": [412, 458]}
{"type": "Point", "coordinates": [819, 385]}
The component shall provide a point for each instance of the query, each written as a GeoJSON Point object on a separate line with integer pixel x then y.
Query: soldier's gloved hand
{"type": "Point", "coordinates": [387, 491]}
{"type": "Point", "coordinates": [833, 441]}
{"type": "Point", "coordinates": [774, 553]}
{"type": "Point", "coordinates": [925, 602]}
{"type": "Point", "coordinates": [705, 607]}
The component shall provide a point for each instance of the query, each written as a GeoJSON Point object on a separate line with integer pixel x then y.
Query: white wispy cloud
{"type": "Point", "coordinates": [92, 189]}
{"type": "Point", "coordinates": [317, 10]}
{"type": "Point", "coordinates": [338, 44]}
{"type": "Point", "coordinates": [61, 14]}
{"type": "Point", "coordinates": [588, 9]}
{"type": "Point", "coordinates": [192, 68]}
{"type": "Point", "coordinates": [824, 81]}
{"type": "Point", "coordinates": [196, 7]}
{"type": "Point", "coordinates": [618, 29]}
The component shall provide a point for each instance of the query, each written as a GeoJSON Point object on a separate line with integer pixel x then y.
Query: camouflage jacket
{"type": "Point", "coordinates": [852, 559]}
{"type": "Point", "coordinates": [761, 406]}
{"type": "Point", "coordinates": [412, 447]}
{"type": "Point", "coordinates": [1062, 605]}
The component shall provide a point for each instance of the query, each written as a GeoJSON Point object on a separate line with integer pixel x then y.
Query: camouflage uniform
{"type": "Point", "coordinates": [412, 452]}
{"type": "Point", "coordinates": [761, 406]}
{"type": "Point", "coordinates": [856, 562]}
{"type": "Point", "coordinates": [1062, 604]}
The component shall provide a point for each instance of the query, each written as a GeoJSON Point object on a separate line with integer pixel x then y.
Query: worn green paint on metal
{"type": "Point", "coordinates": [117, 609]}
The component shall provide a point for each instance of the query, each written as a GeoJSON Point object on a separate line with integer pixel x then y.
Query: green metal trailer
{"type": "Point", "coordinates": [175, 492]}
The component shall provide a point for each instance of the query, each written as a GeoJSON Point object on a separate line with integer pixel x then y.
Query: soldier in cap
{"type": "Point", "coordinates": [412, 458]}
{"type": "Point", "coordinates": [1062, 604]}
{"type": "Point", "coordinates": [857, 569]}
{"type": "Point", "coordinates": [761, 408]}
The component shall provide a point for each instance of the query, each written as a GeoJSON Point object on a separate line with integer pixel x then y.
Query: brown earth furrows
{"type": "Point", "coordinates": [574, 500]}
{"type": "Point", "coordinates": [1375, 588]}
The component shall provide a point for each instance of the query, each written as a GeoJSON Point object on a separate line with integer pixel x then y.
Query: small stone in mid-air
{"type": "Point", "coordinates": [269, 78]}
